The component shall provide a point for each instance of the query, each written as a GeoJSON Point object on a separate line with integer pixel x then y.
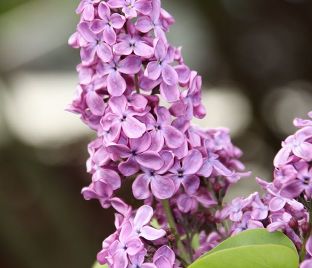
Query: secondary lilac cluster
{"type": "Point", "coordinates": [179, 171]}
{"type": "Point", "coordinates": [286, 204]}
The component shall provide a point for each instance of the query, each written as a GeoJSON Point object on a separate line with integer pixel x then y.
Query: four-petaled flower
{"type": "Point", "coordinates": [107, 23]}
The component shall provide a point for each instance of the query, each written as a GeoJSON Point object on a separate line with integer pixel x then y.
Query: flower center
{"type": "Point", "coordinates": [124, 117]}
{"type": "Point", "coordinates": [180, 173]}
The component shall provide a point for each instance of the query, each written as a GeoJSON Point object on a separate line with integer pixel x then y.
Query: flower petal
{"type": "Point", "coordinates": [120, 259]}
{"type": "Point", "coordinates": [150, 159]}
{"type": "Point", "coordinates": [123, 48]}
{"type": "Point", "coordinates": [84, 30]}
{"type": "Point", "coordinates": [153, 70]}
{"type": "Point", "coordinates": [144, 24]}
{"type": "Point", "coordinates": [130, 65]}
{"type": "Point", "coordinates": [191, 184]}
{"type": "Point", "coordinates": [143, 50]}
{"type": "Point", "coordinates": [151, 234]}
{"type": "Point", "coordinates": [173, 137]}
{"type": "Point", "coordinates": [170, 93]}
{"type": "Point", "coordinates": [192, 162]}
{"type": "Point", "coordinates": [116, 84]}
{"type": "Point", "coordinates": [162, 187]}
{"type": "Point", "coordinates": [129, 168]}
{"type": "Point", "coordinates": [143, 6]}
{"type": "Point", "coordinates": [160, 50]}
{"type": "Point", "coordinates": [117, 21]}
{"type": "Point", "coordinates": [95, 103]}
{"type": "Point", "coordinates": [118, 104]}
{"type": "Point", "coordinates": [104, 11]}
{"type": "Point", "coordinates": [140, 187]}
{"type": "Point", "coordinates": [109, 35]}
{"type": "Point", "coordinates": [133, 128]}
{"type": "Point", "coordinates": [142, 217]}
{"type": "Point", "coordinates": [104, 52]}
{"type": "Point", "coordinates": [169, 75]}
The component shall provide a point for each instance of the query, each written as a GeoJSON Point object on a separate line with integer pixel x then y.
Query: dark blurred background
{"type": "Point", "coordinates": [256, 60]}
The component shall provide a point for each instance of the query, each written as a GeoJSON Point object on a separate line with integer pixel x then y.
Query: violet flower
{"type": "Point", "coordinates": [131, 7]}
{"type": "Point", "coordinates": [95, 45]}
{"type": "Point", "coordinates": [136, 154]}
{"type": "Point", "coordinates": [185, 172]}
{"type": "Point", "coordinates": [107, 23]}
{"type": "Point", "coordinates": [116, 84]}
{"type": "Point", "coordinates": [161, 68]}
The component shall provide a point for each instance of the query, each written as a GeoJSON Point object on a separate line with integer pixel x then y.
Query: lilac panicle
{"type": "Point", "coordinates": [286, 205]}
{"type": "Point", "coordinates": [127, 66]}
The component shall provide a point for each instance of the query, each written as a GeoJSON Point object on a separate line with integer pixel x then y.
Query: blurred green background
{"type": "Point", "coordinates": [256, 60]}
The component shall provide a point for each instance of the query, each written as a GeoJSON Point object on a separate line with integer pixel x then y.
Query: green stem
{"type": "Point", "coordinates": [174, 228]}
{"type": "Point", "coordinates": [303, 249]}
{"type": "Point", "coordinates": [136, 82]}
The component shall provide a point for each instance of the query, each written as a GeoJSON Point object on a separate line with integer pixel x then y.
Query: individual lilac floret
{"type": "Point", "coordinates": [185, 172]}
{"type": "Point", "coordinates": [131, 8]}
{"type": "Point", "coordinates": [136, 155]}
{"type": "Point", "coordinates": [140, 221]}
{"type": "Point", "coordinates": [107, 23]}
{"type": "Point", "coordinates": [94, 45]}
{"type": "Point", "coordinates": [116, 84]}
{"type": "Point", "coordinates": [128, 44]}
{"type": "Point", "coordinates": [86, 9]}
{"type": "Point", "coordinates": [161, 68]}
{"type": "Point", "coordinates": [123, 118]}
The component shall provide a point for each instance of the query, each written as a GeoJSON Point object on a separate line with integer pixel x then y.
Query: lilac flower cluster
{"type": "Point", "coordinates": [286, 204]}
{"type": "Point", "coordinates": [179, 171]}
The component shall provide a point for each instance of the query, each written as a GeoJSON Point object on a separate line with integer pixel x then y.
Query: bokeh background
{"type": "Point", "coordinates": [256, 60]}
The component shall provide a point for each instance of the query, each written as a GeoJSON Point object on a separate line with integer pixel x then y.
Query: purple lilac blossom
{"type": "Point", "coordinates": [127, 67]}
{"type": "Point", "coordinates": [286, 205]}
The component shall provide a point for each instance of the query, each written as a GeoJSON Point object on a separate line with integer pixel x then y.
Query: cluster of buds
{"type": "Point", "coordinates": [286, 205]}
{"type": "Point", "coordinates": [179, 172]}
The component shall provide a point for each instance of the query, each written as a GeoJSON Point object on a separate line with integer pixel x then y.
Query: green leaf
{"type": "Point", "coordinates": [252, 249]}
{"type": "Point", "coordinates": [97, 265]}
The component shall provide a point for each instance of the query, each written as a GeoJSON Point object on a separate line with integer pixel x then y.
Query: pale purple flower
{"type": "Point", "coordinates": [303, 183]}
{"type": "Point", "coordinates": [154, 21]}
{"type": "Point", "coordinates": [245, 223]}
{"type": "Point", "coordinates": [128, 244]}
{"type": "Point", "coordinates": [133, 44]}
{"type": "Point", "coordinates": [107, 23]}
{"type": "Point", "coordinates": [161, 68]}
{"type": "Point", "coordinates": [296, 144]}
{"type": "Point", "coordinates": [298, 122]}
{"type": "Point", "coordinates": [189, 202]}
{"type": "Point", "coordinates": [162, 187]}
{"type": "Point", "coordinates": [123, 118]}
{"type": "Point", "coordinates": [137, 261]}
{"type": "Point", "coordinates": [185, 172]}
{"type": "Point", "coordinates": [86, 9]}
{"type": "Point", "coordinates": [212, 165]}
{"type": "Point", "coordinates": [163, 132]}
{"type": "Point", "coordinates": [164, 257]}
{"type": "Point", "coordinates": [259, 211]}
{"type": "Point", "coordinates": [131, 7]}
{"type": "Point", "coordinates": [208, 242]}
{"type": "Point", "coordinates": [284, 174]}
{"type": "Point", "coordinates": [98, 190]}
{"type": "Point", "coordinates": [140, 224]}
{"type": "Point", "coordinates": [277, 201]}
{"type": "Point", "coordinates": [306, 264]}
{"type": "Point", "coordinates": [235, 209]}
{"type": "Point", "coordinates": [99, 155]}
{"type": "Point", "coordinates": [116, 84]}
{"type": "Point", "coordinates": [95, 45]}
{"type": "Point", "coordinates": [136, 155]}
